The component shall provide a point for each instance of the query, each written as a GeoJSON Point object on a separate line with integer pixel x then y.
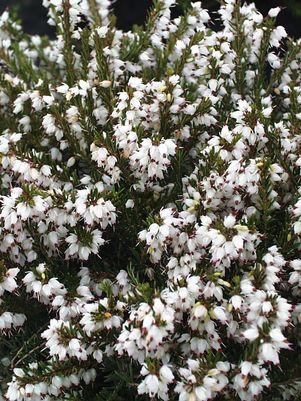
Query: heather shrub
{"type": "Point", "coordinates": [150, 209]}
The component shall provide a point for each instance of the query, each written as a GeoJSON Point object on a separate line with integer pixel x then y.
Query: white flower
{"type": "Point", "coordinates": [129, 204]}
{"type": "Point", "coordinates": [150, 385]}
{"type": "Point", "coordinates": [251, 333]}
{"type": "Point", "coordinates": [269, 353]}
{"type": "Point", "coordinates": [274, 12]}
{"type": "Point", "coordinates": [166, 374]}
{"type": "Point", "coordinates": [229, 221]}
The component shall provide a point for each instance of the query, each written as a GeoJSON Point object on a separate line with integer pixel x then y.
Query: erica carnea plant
{"type": "Point", "coordinates": [150, 215]}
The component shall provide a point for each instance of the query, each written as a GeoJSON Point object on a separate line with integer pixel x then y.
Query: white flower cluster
{"type": "Point", "coordinates": [9, 320]}
{"type": "Point", "coordinates": [150, 208]}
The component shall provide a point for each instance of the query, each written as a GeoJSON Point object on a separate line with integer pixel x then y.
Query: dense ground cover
{"type": "Point", "coordinates": [150, 212]}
